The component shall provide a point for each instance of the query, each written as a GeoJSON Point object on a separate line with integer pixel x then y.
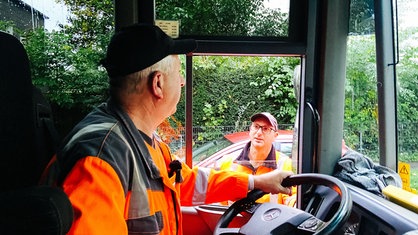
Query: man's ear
{"type": "Point", "coordinates": [276, 134]}
{"type": "Point", "coordinates": [156, 84]}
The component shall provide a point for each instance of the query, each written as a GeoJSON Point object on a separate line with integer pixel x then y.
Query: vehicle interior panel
{"type": "Point", "coordinates": [202, 219]}
{"type": "Point", "coordinates": [371, 214]}
{"type": "Point", "coordinates": [322, 202]}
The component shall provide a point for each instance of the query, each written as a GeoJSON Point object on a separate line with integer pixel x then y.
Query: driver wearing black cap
{"type": "Point", "coordinates": [119, 176]}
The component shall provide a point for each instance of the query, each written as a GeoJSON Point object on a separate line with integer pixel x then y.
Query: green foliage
{"type": "Point", "coordinates": [65, 63]}
{"type": "Point", "coordinates": [213, 117]}
{"type": "Point", "coordinates": [270, 23]}
{"type": "Point", "coordinates": [90, 23]}
{"type": "Point", "coordinates": [69, 75]}
{"type": "Point", "coordinates": [6, 25]}
{"type": "Point", "coordinates": [229, 90]}
{"type": "Point", "coordinates": [360, 116]}
{"type": "Point", "coordinates": [227, 17]}
{"type": "Point", "coordinates": [361, 94]}
{"type": "Point", "coordinates": [414, 179]}
{"type": "Point", "coordinates": [408, 157]}
{"type": "Point", "coordinates": [276, 84]}
{"type": "Point", "coordinates": [407, 71]}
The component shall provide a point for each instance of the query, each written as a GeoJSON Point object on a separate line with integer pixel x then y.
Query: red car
{"type": "Point", "coordinates": [211, 153]}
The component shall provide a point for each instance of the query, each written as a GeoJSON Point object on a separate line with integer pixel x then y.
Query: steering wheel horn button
{"type": "Point", "coordinates": [271, 214]}
{"type": "Point", "coordinates": [310, 224]}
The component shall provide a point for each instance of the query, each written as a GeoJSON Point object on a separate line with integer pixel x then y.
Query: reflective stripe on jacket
{"type": "Point", "coordinates": [118, 183]}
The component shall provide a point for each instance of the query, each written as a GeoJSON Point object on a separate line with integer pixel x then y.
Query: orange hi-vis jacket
{"type": "Point", "coordinates": [275, 160]}
{"type": "Point", "coordinates": [119, 183]}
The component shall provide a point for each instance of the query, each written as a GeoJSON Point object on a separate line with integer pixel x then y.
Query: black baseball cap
{"type": "Point", "coordinates": [139, 46]}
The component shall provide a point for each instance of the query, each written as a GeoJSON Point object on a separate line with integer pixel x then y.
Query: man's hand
{"type": "Point", "coordinates": [271, 182]}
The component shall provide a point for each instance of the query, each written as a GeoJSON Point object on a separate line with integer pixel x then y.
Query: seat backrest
{"type": "Point", "coordinates": [28, 141]}
{"type": "Point", "coordinates": [17, 129]}
{"type": "Point", "coordinates": [27, 134]}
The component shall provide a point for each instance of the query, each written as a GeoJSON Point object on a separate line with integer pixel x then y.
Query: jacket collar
{"type": "Point", "coordinates": [244, 160]}
{"type": "Point", "coordinates": [135, 134]}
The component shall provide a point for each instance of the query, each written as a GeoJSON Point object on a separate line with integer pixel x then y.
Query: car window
{"type": "Point", "coordinates": [284, 147]}
{"type": "Point", "coordinates": [206, 150]}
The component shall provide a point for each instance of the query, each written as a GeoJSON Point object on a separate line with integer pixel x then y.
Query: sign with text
{"type": "Point", "coordinates": [170, 27]}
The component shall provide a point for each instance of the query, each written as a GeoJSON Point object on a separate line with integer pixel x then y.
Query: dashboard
{"type": "Point", "coordinates": [371, 214]}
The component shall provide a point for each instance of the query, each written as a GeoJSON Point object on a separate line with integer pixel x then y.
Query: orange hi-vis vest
{"type": "Point", "coordinates": [275, 160]}
{"type": "Point", "coordinates": [118, 182]}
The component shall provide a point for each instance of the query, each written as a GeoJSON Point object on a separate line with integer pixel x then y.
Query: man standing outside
{"type": "Point", "coordinates": [259, 155]}
{"type": "Point", "coordinates": [118, 175]}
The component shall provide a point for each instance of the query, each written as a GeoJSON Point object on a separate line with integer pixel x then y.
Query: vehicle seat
{"type": "Point", "coordinates": [27, 143]}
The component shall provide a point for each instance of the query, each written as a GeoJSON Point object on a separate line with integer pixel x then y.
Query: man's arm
{"type": "Point", "coordinates": [97, 197]}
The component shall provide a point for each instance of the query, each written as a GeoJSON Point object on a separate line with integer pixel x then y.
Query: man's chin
{"type": "Point", "coordinates": [258, 143]}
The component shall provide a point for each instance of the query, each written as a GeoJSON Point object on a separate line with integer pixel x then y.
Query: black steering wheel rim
{"type": "Point", "coordinates": [337, 220]}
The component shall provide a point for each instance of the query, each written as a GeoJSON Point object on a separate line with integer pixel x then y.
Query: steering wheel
{"type": "Point", "coordinates": [273, 218]}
